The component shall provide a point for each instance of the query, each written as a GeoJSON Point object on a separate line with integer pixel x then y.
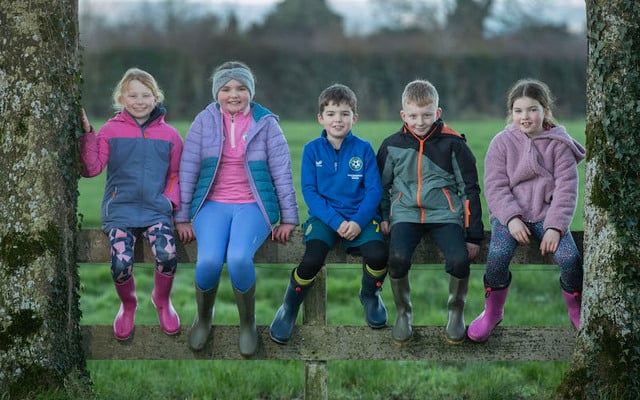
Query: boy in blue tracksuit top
{"type": "Point", "coordinates": [341, 186]}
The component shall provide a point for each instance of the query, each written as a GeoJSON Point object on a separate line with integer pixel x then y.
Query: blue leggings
{"type": "Point", "coordinates": [231, 232]}
{"type": "Point", "coordinates": [503, 246]}
{"type": "Point", "coordinates": [122, 242]}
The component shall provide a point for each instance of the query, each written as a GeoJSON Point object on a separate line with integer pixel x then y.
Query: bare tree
{"type": "Point", "coordinates": [606, 362]}
{"type": "Point", "coordinates": [39, 92]}
{"type": "Point", "coordinates": [423, 15]}
{"type": "Point", "coordinates": [466, 19]}
{"type": "Point", "coordinates": [309, 24]}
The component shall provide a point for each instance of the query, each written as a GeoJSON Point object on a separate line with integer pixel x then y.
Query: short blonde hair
{"type": "Point", "coordinates": [135, 74]}
{"type": "Point", "coordinates": [420, 92]}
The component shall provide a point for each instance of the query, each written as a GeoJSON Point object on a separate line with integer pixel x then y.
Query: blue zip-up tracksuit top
{"type": "Point", "coordinates": [340, 185]}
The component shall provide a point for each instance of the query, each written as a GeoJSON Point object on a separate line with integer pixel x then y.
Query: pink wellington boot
{"type": "Point", "coordinates": [481, 328]}
{"type": "Point", "coordinates": [574, 305]}
{"type": "Point", "coordinates": [124, 322]}
{"type": "Point", "coordinates": [169, 320]}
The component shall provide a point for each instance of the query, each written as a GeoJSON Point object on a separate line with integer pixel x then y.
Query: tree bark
{"type": "Point", "coordinates": [40, 343]}
{"type": "Point", "coordinates": [606, 362]}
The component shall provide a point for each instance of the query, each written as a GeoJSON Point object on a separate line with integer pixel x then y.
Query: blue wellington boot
{"type": "Point", "coordinates": [281, 328]}
{"type": "Point", "coordinates": [374, 311]}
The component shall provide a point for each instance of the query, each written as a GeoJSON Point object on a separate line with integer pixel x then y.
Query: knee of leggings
{"type": "Point", "coordinates": [398, 268]}
{"type": "Point", "coordinates": [166, 261]}
{"type": "Point", "coordinates": [376, 257]}
{"type": "Point", "coordinates": [206, 279]}
{"type": "Point", "coordinates": [500, 254]}
{"type": "Point", "coordinates": [121, 270]}
{"type": "Point", "coordinates": [569, 261]}
{"type": "Point", "coordinates": [239, 262]}
{"type": "Point", "coordinates": [308, 270]}
{"type": "Point", "coordinates": [458, 268]}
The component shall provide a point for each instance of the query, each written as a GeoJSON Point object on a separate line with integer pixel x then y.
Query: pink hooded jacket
{"type": "Point", "coordinates": [533, 178]}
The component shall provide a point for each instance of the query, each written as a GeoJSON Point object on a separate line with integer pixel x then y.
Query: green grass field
{"type": "Point", "coordinates": [534, 300]}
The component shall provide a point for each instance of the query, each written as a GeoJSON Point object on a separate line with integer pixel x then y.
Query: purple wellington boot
{"type": "Point", "coordinates": [574, 305]}
{"type": "Point", "coordinates": [124, 322]}
{"type": "Point", "coordinates": [481, 328]}
{"type": "Point", "coordinates": [169, 320]}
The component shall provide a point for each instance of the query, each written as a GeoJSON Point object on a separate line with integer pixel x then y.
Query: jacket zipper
{"type": "Point", "coordinates": [419, 192]}
{"type": "Point", "coordinates": [232, 132]}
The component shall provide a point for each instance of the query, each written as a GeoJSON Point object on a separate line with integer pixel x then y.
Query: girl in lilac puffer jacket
{"type": "Point", "coordinates": [236, 185]}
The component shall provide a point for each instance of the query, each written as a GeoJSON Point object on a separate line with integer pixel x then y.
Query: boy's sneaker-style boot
{"type": "Point", "coordinates": [199, 334]}
{"type": "Point", "coordinates": [124, 322]}
{"type": "Point", "coordinates": [402, 330]}
{"type": "Point", "coordinates": [495, 298]}
{"type": "Point", "coordinates": [574, 305]}
{"type": "Point", "coordinates": [248, 341]}
{"type": "Point", "coordinates": [160, 296]}
{"type": "Point", "coordinates": [375, 312]}
{"type": "Point", "coordinates": [281, 328]}
{"type": "Point", "coordinates": [456, 331]}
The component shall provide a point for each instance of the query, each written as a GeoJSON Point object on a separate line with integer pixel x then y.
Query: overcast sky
{"type": "Point", "coordinates": [358, 16]}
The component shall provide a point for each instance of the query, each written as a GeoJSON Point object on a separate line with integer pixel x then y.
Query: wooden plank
{"type": "Point", "coordinates": [325, 343]}
{"type": "Point", "coordinates": [93, 246]}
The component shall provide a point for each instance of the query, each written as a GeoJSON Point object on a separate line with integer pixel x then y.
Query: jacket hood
{"type": "Point", "coordinates": [437, 128]}
{"type": "Point", "coordinates": [257, 111]}
{"type": "Point", "coordinates": [556, 133]}
{"type": "Point", "coordinates": [156, 114]}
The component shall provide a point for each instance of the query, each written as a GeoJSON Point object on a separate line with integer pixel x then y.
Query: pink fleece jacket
{"type": "Point", "coordinates": [533, 178]}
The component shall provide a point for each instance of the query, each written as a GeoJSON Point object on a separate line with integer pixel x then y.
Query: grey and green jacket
{"type": "Point", "coordinates": [432, 179]}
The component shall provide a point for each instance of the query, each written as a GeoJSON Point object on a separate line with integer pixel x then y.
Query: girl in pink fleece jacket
{"type": "Point", "coordinates": [531, 187]}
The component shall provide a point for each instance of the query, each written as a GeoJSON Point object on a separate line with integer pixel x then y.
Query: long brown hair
{"type": "Point", "coordinates": [536, 90]}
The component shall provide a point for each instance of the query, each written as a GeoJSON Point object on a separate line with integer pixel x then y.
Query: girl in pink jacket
{"type": "Point", "coordinates": [531, 187]}
{"type": "Point", "coordinates": [141, 153]}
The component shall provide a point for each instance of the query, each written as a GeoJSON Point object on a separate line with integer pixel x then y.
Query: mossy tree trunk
{"type": "Point", "coordinates": [40, 343]}
{"type": "Point", "coordinates": [606, 362]}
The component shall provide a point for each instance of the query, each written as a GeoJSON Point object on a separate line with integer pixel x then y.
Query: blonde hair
{"type": "Point", "coordinates": [135, 74]}
{"type": "Point", "coordinates": [535, 90]}
{"type": "Point", "coordinates": [420, 92]}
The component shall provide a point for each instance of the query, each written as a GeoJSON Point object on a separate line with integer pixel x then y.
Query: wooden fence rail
{"type": "Point", "coordinates": [314, 341]}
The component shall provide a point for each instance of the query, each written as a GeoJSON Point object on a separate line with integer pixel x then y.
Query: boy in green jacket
{"type": "Point", "coordinates": [430, 187]}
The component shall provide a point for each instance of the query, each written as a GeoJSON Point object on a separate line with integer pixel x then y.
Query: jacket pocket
{"type": "Point", "coordinates": [114, 195]}
{"type": "Point", "coordinates": [170, 203]}
{"type": "Point", "coordinates": [447, 195]}
{"type": "Point", "coordinates": [394, 203]}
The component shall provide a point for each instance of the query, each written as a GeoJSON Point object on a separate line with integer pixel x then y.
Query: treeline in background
{"type": "Point", "coordinates": [302, 46]}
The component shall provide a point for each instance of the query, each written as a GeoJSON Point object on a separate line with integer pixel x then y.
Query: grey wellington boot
{"type": "Point", "coordinates": [402, 330]}
{"type": "Point", "coordinates": [456, 331]}
{"type": "Point", "coordinates": [246, 309]}
{"type": "Point", "coordinates": [199, 334]}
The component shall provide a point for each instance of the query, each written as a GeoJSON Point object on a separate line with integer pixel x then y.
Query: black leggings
{"type": "Point", "coordinates": [374, 254]}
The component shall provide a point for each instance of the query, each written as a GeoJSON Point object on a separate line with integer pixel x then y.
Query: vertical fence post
{"type": "Point", "coordinates": [315, 313]}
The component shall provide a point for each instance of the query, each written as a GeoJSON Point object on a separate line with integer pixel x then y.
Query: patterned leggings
{"type": "Point", "coordinates": [160, 239]}
{"type": "Point", "coordinates": [503, 246]}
